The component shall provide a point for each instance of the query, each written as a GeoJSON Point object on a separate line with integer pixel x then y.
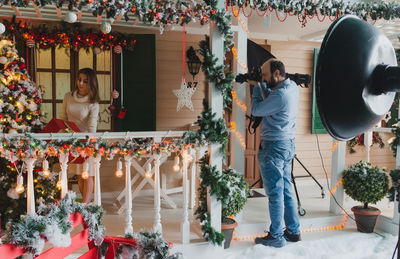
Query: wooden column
{"type": "Point", "coordinates": [216, 104]}
{"type": "Point", "coordinates": [64, 179]}
{"type": "Point", "coordinates": [29, 162]}
{"type": "Point", "coordinates": [338, 163]}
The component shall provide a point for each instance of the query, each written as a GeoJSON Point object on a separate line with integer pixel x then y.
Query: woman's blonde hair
{"type": "Point", "coordinates": [92, 82]}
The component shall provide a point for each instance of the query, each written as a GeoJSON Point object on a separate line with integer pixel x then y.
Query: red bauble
{"type": "Point", "coordinates": [111, 108]}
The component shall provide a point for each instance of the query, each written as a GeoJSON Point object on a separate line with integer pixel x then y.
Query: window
{"type": "Point", "coordinates": [56, 71]}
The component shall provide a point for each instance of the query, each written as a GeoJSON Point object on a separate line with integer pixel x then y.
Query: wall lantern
{"type": "Point", "coordinates": [193, 62]}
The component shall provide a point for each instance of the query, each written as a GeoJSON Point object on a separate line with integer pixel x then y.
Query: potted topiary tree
{"type": "Point", "coordinates": [367, 184]}
{"type": "Point", "coordinates": [233, 203]}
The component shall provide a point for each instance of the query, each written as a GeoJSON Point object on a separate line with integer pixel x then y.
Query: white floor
{"type": "Point", "coordinates": [346, 243]}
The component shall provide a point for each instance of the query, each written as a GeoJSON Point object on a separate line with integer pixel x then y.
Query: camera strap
{"type": "Point", "coordinates": [253, 123]}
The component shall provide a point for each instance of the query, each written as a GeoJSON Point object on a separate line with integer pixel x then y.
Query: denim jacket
{"type": "Point", "coordinates": [278, 108]}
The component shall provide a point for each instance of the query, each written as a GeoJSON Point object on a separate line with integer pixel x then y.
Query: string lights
{"type": "Point", "coordinates": [241, 64]}
{"type": "Point", "coordinates": [241, 139]}
{"type": "Point", "coordinates": [333, 190]}
{"type": "Point", "coordinates": [321, 229]}
{"type": "Point", "coordinates": [334, 146]}
{"type": "Point", "coordinates": [237, 101]}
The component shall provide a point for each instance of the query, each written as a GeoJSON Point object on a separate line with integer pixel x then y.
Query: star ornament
{"type": "Point", "coordinates": [184, 95]}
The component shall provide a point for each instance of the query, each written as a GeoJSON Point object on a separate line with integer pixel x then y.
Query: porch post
{"type": "Point", "coordinates": [64, 180]}
{"type": "Point", "coordinates": [338, 163]}
{"type": "Point", "coordinates": [29, 162]}
{"type": "Point", "coordinates": [216, 104]}
{"type": "Point", "coordinates": [238, 112]}
{"type": "Point", "coordinates": [97, 189]}
{"type": "Point", "coordinates": [157, 222]}
{"type": "Point", "coordinates": [128, 196]}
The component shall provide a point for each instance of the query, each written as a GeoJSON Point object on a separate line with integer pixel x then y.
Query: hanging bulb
{"type": "Point", "coordinates": [118, 172]}
{"type": "Point", "coordinates": [58, 184]}
{"type": "Point", "coordinates": [20, 184]}
{"type": "Point", "coordinates": [176, 166]}
{"type": "Point", "coordinates": [45, 165]}
{"type": "Point", "coordinates": [189, 158]}
{"type": "Point", "coordinates": [85, 173]}
{"type": "Point", "coordinates": [148, 171]}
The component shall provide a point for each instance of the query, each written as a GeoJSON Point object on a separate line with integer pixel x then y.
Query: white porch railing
{"type": "Point", "coordinates": [189, 161]}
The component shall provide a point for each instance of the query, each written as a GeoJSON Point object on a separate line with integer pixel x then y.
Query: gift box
{"type": "Point", "coordinates": [61, 126]}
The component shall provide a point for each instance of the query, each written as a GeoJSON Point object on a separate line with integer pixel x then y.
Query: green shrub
{"type": "Point", "coordinates": [365, 183]}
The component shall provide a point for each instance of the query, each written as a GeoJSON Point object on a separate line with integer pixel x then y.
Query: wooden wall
{"type": "Point", "coordinates": [298, 58]}
{"type": "Point", "coordinates": [169, 74]}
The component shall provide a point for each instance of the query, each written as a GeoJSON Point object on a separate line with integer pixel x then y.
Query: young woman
{"type": "Point", "coordinates": [81, 106]}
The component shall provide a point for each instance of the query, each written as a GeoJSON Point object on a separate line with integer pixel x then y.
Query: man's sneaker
{"type": "Point", "coordinates": [270, 241]}
{"type": "Point", "coordinates": [291, 237]}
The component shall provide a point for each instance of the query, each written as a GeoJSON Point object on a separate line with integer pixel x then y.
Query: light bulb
{"type": "Point", "coordinates": [176, 166]}
{"type": "Point", "coordinates": [59, 184]}
{"type": "Point", "coordinates": [85, 173]}
{"type": "Point", "coordinates": [20, 184]}
{"type": "Point", "coordinates": [46, 172]}
{"type": "Point", "coordinates": [118, 172]}
{"type": "Point", "coordinates": [20, 189]}
{"type": "Point", "coordinates": [147, 174]}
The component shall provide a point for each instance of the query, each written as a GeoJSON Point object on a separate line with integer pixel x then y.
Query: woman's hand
{"type": "Point", "coordinates": [115, 94]}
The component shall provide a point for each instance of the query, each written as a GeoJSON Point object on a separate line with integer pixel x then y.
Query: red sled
{"type": "Point", "coordinates": [60, 126]}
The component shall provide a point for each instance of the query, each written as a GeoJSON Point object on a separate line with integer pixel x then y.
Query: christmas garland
{"type": "Point", "coordinates": [148, 245]}
{"type": "Point", "coordinates": [163, 12]}
{"type": "Point", "coordinates": [395, 177]}
{"type": "Point", "coordinates": [52, 222]}
{"type": "Point", "coordinates": [395, 141]}
{"type": "Point", "coordinates": [359, 140]}
{"type": "Point", "coordinates": [229, 187]}
{"type": "Point", "coordinates": [211, 130]}
{"type": "Point", "coordinates": [67, 36]}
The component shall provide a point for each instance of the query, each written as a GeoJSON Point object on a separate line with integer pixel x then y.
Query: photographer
{"type": "Point", "coordinates": [278, 106]}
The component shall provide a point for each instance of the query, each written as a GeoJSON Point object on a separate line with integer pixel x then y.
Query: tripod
{"type": "Point", "coordinates": [300, 210]}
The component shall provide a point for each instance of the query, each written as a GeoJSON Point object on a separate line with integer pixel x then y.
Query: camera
{"type": "Point", "coordinates": [302, 80]}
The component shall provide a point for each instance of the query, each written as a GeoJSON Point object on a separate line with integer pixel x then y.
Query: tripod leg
{"type": "Point", "coordinates": [315, 180]}
{"type": "Point", "coordinates": [300, 210]}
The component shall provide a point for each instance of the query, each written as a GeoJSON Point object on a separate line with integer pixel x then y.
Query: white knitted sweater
{"type": "Point", "coordinates": [80, 111]}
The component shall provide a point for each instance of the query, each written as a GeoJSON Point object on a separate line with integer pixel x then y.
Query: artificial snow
{"type": "Point", "coordinates": [347, 245]}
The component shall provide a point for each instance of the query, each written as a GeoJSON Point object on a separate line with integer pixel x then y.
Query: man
{"type": "Point", "coordinates": [278, 107]}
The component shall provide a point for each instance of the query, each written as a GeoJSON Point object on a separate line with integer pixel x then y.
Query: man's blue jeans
{"type": "Point", "coordinates": [275, 160]}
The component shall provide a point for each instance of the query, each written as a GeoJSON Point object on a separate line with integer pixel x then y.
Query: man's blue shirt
{"type": "Point", "coordinates": [278, 108]}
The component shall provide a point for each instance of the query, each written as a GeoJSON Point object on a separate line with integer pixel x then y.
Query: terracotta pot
{"type": "Point", "coordinates": [365, 218]}
{"type": "Point", "coordinates": [227, 228]}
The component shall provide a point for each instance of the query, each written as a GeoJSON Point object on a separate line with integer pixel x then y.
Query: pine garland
{"type": "Point", "coordinates": [395, 141]}
{"type": "Point", "coordinates": [216, 74]}
{"type": "Point", "coordinates": [52, 221]}
{"type": "Point", "coordinates": [148, 245]}
{"type": "Point", "coordinates": [67, 36]}
{"type": "Point", "coordinates": [164, 12]}
{"type": "Point", "coordinates": [395, 188]}
{"type": "Point", "coordinates": [229, 187]}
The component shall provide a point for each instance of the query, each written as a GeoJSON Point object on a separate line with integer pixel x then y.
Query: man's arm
{"type": "Point", "coordinates": [263, 107]}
